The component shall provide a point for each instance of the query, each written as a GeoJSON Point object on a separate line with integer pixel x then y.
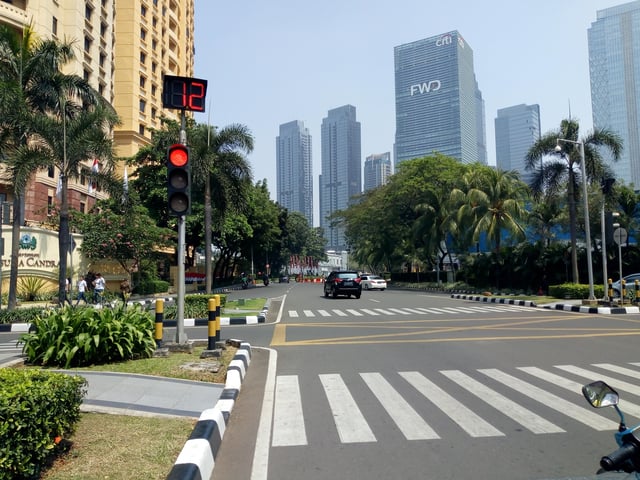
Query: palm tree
{"type": "Point", "coordinates": [36, 92]}
{"type": "Point", "coordinates": [492, 201]}
{"type": "Point", "coordinates": [84, 132]}
{"type": "Point", "coordinates": [218, 158]}
{"type": "Point", "coordinates": [561, 171]}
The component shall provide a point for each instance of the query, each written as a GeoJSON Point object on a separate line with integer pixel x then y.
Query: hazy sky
{"type": "Point", "coordinates": [271, 62]}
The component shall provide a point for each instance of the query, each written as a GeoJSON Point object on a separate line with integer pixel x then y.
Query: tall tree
{"type": "Point", "coordinates": [34, 93]}
{"type": "Point", "coordinates": [219, 160]}
{"type": "Point", "coordinates": [557, 170]}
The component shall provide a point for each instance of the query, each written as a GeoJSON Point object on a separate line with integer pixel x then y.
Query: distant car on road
{"type": "Point", "coordinates": [372, 282]}
{"type": "Point", "coordinates": [630, 281]}
{"type": "Point", "coordinates": [343, 282]}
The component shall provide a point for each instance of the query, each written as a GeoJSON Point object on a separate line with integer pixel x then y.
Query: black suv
{"type": "Point", "coordinates": [343, 282]}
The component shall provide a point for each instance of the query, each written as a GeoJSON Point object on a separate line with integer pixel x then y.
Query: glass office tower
{"type": "Point", "coordinates": [377, 169]}
{"type": "Point", "coordinates": [517, 129]}
{"type": "Point", "coordinates": [341, 176]}
{"type": "Point", "coordinates": [439, 107]}
{"type": "Point", "coordinates": [614, 66]}
{"type": "Point", "coordinates": [295, 169]}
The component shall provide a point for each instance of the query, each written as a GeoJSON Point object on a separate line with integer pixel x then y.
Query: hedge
{"type": "Point", "coordinates": [37, 409]}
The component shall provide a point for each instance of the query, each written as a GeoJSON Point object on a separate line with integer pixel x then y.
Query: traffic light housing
{"type": "Point", "coordinates": [178, 180]}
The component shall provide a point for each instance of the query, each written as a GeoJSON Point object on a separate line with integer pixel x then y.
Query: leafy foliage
{"type": "Point", "coordinates": [37, 408]}
{"type": "Point", "coordinates": [72, 337]}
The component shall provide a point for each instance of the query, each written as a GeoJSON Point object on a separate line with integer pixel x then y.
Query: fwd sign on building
{"type": "Point", "coordinates": [425, 87]}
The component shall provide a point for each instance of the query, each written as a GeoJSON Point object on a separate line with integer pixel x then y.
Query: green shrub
{"type": "Point", "coordinates": [37, 409]}
{"type": "Point", "coordinates": [148, 287]}
{"type": "Point", "coordinates": [73, 337]}
{"type": "Point", "coordinates": [575, 290]}
{"type": "Point", "coordinates": [32, 288]}
{"type": "Point", "coordinates": [20, 315]}
{"type": "Point", "coordinates": [195, 306]}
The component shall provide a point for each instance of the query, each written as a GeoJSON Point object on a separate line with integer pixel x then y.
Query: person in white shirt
{"type": "Point", "coordinates": [82, 287]}
{"type": "Point", "coordinates": [99, 285]}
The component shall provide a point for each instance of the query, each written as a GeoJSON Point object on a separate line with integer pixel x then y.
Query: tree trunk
{"type": "Point", "coordinates": [63, 242]}
{"type": "Point", "coordinates": [15, 248]}
{"type": "Point", "coordinates": [572, 226]}
{"type": "Point", "coordinates": [207, 233]}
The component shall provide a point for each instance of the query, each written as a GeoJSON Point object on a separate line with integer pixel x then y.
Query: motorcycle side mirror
{"type": "Point", "coordinates": [600, 395]}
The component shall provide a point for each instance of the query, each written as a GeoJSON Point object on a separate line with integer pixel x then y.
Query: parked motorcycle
{"type": "Point", "coordinates": [627, 457]}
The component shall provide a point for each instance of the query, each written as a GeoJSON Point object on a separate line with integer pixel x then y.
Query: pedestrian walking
{"type": "Point", "coordinates": [99, 285]}
{"type": "Point", "coordinates": [82, 287]}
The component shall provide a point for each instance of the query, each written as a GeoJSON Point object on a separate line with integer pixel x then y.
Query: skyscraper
{"type": "Point", "coordinates": [517, 129]}
{"type": "Point", "coordinates": [439, 107]}
{"type": "Point", "coordinates": [377, 169]}
{"type": "Point", "coordinates": [614, 65]}
{"type": "Point", "coordinates": [295, 169]}
{"type": "Point", "coordinates": [341, 176]}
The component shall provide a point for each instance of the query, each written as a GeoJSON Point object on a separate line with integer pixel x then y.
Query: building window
{"type": "Point", "coordinates": [88, 11]}
{"type": "Point", "coordinates": [143, 11]}
{"type": "Point", "coordinates": [153, 90]}
{"type": "Point", "coordinates": [143, 81]}
{"type": "Point", "coordinates": [49, 205]}
{"type": "Point", "coordinates": [54, 26]}
{"type": "Point", "coordinates": [143, 105]}
{"type": "Point", "coordinates": [141, 129]}
{"type": "Point", "coordinates": [86, 75]}
{"type": "Point", "coordinates": [87, 44]}
{"type": "Point", "coordinates": [83, 207]}
{"type": "Point", "coordinates": [154, 44]}
{"type": "Point", "coordinates": [143, 57]}
{"type": "Point", "coordinates": [143, 34]}
{"type": "Point", "coordinates": [103, 29]}
{"type": "Point", "coordinates": [153, 113]}
{"type": "Point", "coordinates": [154, 65]}
{"type": "Point", "coordinates": [103, 58]}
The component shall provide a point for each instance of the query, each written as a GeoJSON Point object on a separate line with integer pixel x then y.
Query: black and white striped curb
{"type": "Point", "coordinates": [188, 322]}
{"type": "Point", "coordinates": [507, 301]}
{"type": "Point", "coordinates": [197, 458]}
{"type": "Point", "coordinates": [601, 310]}
{"type": "Point", "coordinates": [586, 309]}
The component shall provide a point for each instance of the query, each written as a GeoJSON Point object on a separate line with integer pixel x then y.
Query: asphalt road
{"type": "Point", "coordinates": [417, 386]}
{"type": "Point", "coordinates": [410, 385]}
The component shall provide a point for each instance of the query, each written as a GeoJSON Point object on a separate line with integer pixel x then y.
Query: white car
{"type": "Point", "coordinates": [372, 282]}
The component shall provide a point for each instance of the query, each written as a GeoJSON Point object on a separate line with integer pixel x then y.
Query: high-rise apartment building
{"type": "Point", "coordinates": [294, 169]}
{"type": "Point", "coordinates": [614, 66]}
{"type": "Point", "coordinates": [517, 129]}
{"type": "Point", "coordinates": [154, 37]}
{"type": "Point", "coordinates": [439, 107]}
{"type": "Point", "coordinates": [377, 169]}
{"type": "Point", "coordinates": [341, 176]}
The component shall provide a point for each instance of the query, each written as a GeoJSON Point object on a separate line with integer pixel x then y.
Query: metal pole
{"type": "Point", "coordinates": [603, 233]}
{"type": "Point", "coordinates": [587, 228]}
{"type": "Point", "coordinates": [181, 336]}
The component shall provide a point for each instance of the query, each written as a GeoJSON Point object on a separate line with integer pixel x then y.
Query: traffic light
{"type": "Point", "coordinates": [178, 180]}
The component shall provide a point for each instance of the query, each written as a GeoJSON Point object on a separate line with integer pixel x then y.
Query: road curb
{"type": "Point", "coordinates": [508, 301]}
{"type": "Point", "coordinates": [188, 322]}
{"type": "Point", "coordinates": [197, 458]}
{"type": "Point", "coordinates": [554, 306]}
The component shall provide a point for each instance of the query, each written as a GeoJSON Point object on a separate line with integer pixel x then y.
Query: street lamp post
{"type": "Point", "coordinates": [587, 228]}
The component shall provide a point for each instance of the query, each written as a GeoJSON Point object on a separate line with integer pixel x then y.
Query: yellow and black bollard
{"type": "Point", "coordinates": [637, 296]}
{"type": "Point", "coordinates": [623, 289]}
{"type": "Point", "coordinates": [211, 324]}
{"type": "Point", "coordinates": [610, 288]}
{"type": "Point", "coordinates": [158, 324]}
{"type": "Point", "coordinates": [217, 297]}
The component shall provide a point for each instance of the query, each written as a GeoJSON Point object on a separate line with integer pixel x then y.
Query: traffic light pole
{"type": "Point", "coordinates": [181, 336]}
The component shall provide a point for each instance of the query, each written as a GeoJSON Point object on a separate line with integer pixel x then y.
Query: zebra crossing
{"type": "Point", "coordinates": [553, 398]}
{"type": "Point", "coordinates": [10, 347]}
{"type": "Point", "coordinates": [389, 311]}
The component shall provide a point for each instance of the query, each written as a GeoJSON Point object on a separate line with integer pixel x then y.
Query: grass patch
{"type": "Point", "coordinates": [171, 366]}
{"type": "Point", "coordinates": [243, 307]}
{"type": "Point", "coordinates": [119, 447]}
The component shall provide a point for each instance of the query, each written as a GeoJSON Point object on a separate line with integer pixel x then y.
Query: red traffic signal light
{"type": "Point", "coordinates": [178, 180]}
